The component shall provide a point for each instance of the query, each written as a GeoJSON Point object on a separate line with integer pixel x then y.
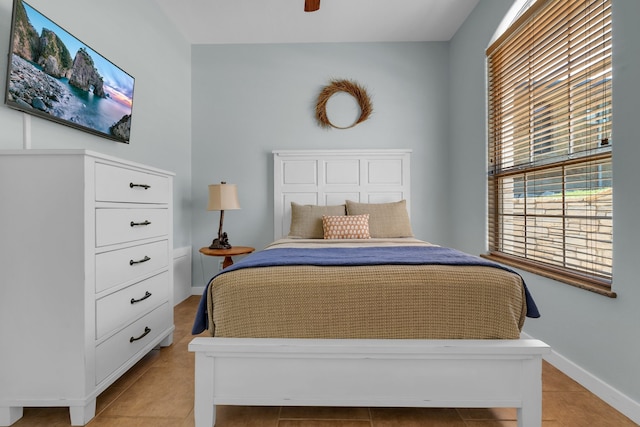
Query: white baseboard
{"type": "Point", "coordinates": [197, 290]}
{"type": "Point", "coordinates": [181, 274]}
{"type": "Point", "coordinates": [618, 400]}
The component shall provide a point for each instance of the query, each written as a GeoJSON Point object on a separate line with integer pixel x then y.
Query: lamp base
{"type": "Point", "coordinates": [221, 242]}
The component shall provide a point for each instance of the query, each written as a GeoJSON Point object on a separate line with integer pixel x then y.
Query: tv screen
{"type": "Point", "coordinates": [54, 75]}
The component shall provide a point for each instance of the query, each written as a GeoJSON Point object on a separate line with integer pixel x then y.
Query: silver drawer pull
{"type": "Point", "coordinates": [145, 186]}
{"type": "Point", "coordinates": [146, 332]}
{"type": "Point", "coordinates": [147, 294]}
{"type": "Point", "coordinates": [140, 261]}
{"type": "Point", "coordinates": [133, 224]}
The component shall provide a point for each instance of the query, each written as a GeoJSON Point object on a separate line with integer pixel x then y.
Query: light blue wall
{"type": "Point", "coordinates": [251, 99]}
{"type": "Point", "coordinates": [599, 334]}
{"type": "Point", "coordinates": [139, 39]}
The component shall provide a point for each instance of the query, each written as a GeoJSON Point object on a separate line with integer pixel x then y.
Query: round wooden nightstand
{"type": "Point", "coordinates": [227, 253]}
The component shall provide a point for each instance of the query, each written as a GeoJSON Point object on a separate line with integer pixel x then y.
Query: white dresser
{"type": "Point", "coordinates": [86, 275]}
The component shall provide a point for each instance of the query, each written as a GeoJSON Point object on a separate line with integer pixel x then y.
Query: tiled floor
{"type": "Point", "coordinates": [158, 392]}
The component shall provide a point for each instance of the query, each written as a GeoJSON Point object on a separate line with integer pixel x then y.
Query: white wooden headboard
{"type": "Point", "coordinates": [329, 177]}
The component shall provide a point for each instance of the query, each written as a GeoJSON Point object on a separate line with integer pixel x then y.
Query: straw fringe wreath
{"type": "Point", "coordinates": [350, 87]}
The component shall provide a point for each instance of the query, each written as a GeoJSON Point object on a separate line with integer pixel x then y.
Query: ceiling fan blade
{"type": "Point", "coordinates": [311, 5]}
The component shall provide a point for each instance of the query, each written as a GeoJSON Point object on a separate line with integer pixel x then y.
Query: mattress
{"type": "Point", "coordinates": [318, 288]}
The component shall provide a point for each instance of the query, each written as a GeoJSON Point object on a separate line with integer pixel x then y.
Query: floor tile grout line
{"type": "Point", "coordinates": [111, 402]}
{"type": "Point", "coordinates": [321, 419]}
{"type": "Point", "coordinates": [130, 382]}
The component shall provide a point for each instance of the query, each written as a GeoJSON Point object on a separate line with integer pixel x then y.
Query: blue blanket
{"type": "Point", "coordinates": [411, 255]}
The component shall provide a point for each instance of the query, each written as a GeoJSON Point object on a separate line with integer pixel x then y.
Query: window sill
{"type": "Point", "coordinates": [592, 285]}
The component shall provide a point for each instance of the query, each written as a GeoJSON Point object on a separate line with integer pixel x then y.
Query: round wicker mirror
{"type": "Point", "coordinates": [350, 87]}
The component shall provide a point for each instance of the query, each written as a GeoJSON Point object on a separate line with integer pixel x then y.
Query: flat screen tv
{"type": "Point", "coordinates": [52, 74]}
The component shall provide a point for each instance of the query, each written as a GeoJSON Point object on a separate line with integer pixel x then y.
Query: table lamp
{"type": "Point", "coordinates": [222, 197]}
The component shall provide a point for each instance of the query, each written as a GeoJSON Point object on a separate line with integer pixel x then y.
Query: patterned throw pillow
{"type": "Point", "coordinates": [346, 227]}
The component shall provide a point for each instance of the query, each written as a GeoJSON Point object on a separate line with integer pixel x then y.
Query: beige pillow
{"type": "Point", "coordinates": [306, 220]}
{"type": "Point", "coordinates": [346, 227]}
{"type": "Point", "coordinates": [385, 219]}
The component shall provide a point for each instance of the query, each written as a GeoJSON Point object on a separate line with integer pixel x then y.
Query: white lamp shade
{"type": "Point", "coordinates": [223, 197]}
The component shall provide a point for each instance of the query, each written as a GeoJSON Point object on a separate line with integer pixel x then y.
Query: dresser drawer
{"type": "Point", "coordinates": [115, 267]}
{"type": "Point", "coordinates": [117, 184]}
{"type": "Point", "coordinates": [115, 351]}
{"type": "Point", "coordinates": [128, 225]}
{"type": "Point", "coordinates": [122, 307]}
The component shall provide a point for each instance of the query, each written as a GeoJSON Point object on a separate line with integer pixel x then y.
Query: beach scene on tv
{"type": "Point", "coordinates": [53, 73]}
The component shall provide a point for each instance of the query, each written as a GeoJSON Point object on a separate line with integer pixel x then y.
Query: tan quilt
{"type": "Point", "coordinates": [378, 302]}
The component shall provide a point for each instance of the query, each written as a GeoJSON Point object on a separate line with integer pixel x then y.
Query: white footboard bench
{"type": "Point", "coordinates": [370, 373]}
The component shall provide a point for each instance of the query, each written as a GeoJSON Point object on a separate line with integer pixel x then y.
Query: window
{"type": "Point", "coordinates": [550, 175]}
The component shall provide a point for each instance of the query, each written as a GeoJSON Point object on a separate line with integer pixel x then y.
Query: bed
{"type": "Point", "coordinates": [347, 308]}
